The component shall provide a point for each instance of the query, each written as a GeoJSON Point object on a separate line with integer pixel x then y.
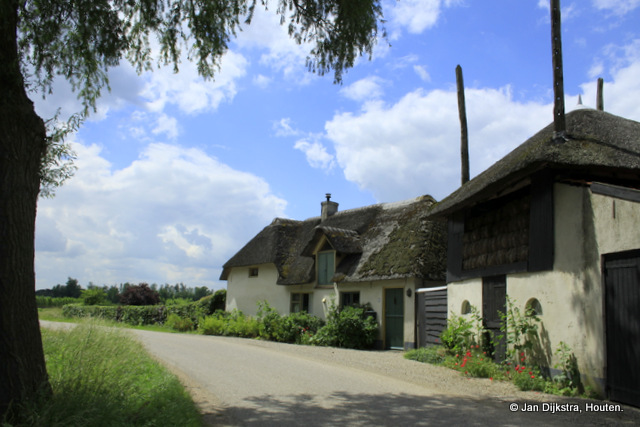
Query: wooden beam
{"type": "Point", "coordinates": [558, 77]}
{"type": "Point", "coordinates": [464, 133]}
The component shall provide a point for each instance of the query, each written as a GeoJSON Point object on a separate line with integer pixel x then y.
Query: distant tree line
{"type": "Point", "coordinates": [128, 293]}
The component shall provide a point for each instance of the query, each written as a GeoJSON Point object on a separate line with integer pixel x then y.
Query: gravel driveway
{"type": "Point", "coordinates": [241, 382]}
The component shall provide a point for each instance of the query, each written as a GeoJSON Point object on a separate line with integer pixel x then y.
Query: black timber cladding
{"type": "Point", "coordinates": [431, 315]}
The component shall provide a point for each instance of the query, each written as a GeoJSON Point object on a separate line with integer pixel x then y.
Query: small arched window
{"type": "Point", "coordinates": [466, 307]}
{"type": "Point", "coordinates": [533, 307]}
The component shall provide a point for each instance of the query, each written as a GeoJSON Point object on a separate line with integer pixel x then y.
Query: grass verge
{"type": "Point", "coordinates": [103, 377]}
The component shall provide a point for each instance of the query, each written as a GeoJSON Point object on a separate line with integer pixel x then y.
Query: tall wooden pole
{"type": "Point", "coordinates": [464, 135]}
{"type": "Point", "coordinates": [558, 77]}
{"type": "Point", "coordinates": [599, 96]}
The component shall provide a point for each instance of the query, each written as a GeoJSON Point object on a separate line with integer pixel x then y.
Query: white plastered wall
{"type": "Point", "coordinates": [571, 295]}
{"type": "Point", "coordinates": [243, 292]}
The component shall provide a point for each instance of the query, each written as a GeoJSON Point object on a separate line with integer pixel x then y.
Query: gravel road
{"type": "Point", "coordinates": [241, 382]}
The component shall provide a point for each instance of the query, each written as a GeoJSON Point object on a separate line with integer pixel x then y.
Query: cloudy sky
{"type": "Point", "coordinates": [175, 174]}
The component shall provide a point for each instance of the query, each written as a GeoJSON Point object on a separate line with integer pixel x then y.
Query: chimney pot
{"type": "Point", "coordinates": [328, 208]}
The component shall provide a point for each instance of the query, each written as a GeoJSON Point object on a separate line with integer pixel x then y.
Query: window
{"type": "Point", "coordinates": [326, 267]}
{"type": "Point", "coordinates": [299, 302]}
{"type": "Point", "coordinates": [349, 298]}
{"type": "Point", "coordinates": [253, 272]}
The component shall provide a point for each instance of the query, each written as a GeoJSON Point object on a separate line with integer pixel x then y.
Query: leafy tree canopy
{"type": "Point", "coordinates": [81, 39]}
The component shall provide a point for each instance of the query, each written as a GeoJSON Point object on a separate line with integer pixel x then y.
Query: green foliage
{"type": "Point", "coordinates": [213, 325]}
{"type": "Point", "coordinates": [475, 363]}
{"type": "Point", "coordinates": [520, 329]}
{"type": "Point", "coordinates": [234, 323]}
{"type": "Point", "coordinates": [349, 328]}
{"type": "Point", "coordinates": [179, 323]}
{"type": "Point", "coordinates": [293, 328]}
{"type": "Point", "coordinates": [433, 354]}
{"type": "Point", "coordinates": [93, 296]}
{"type": "Point", "coordinates": [212, 303]}
{"type": "Point", "coordinates": [103, 377]}
{"type": "Point", "coordinates": [46, 302]}
{"type": "Point", "coordinates": [530, 380]}
{"type": "Point", "coordinates": [458, 336]}
{"type": "Point", "coordinates": [569, 376]}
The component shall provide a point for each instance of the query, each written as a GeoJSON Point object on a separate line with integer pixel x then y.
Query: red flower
{"type": "Point", "coordinates": [532, 376]}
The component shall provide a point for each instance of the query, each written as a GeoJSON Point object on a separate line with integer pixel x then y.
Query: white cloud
{"type": "Point", "coordinates": [619, 7]}
{"type": "Point", "coordinates": [190, 92]}
{"type": "Point", "coordinates": [412, 147]}
{"type": "Point", "coordinates": [364, 89]}
{"type": "Point", "coordinates": [278, 50]}
{"type": "Point", "coordinates": [416, 15]}
{"type": "Point", "coordinates": [422, 72]}
{"type": "Point", "coordinates": [261, 81]}
{"type": "Point", "coordinates": [283, 128]}
{"type": "Point", "coordinates": [167, 125]}
{"type": "Point", "coordinates": [175, 214]}
{"type": "Point", "coordinates": [316, 153]}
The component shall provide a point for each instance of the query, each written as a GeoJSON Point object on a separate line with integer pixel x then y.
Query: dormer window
{"type": "Point", "coordinates": [326, 267]}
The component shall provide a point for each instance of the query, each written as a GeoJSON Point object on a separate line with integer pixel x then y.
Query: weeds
{"type": "Point", "coordinates": [102, 377]}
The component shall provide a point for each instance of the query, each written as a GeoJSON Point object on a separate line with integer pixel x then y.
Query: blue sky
{"type": "Point", "coordinates": [175, 174]}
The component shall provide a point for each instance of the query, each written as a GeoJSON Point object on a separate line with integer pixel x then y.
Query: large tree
{"type": "Point", "coordinates": [79, 40]}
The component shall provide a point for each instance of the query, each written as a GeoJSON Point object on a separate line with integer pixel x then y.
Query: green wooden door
{"type": "Point", "coordinates": [394, 319]}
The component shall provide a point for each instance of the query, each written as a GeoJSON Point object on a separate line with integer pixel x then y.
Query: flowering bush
{"type": "Point", "coordinates": [475, 363]}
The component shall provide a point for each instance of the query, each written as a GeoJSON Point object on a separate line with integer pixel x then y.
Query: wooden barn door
{"type": "Point", "coordinates": [622, 317]}
{"type": "Point", "coordinates": [494, 302]}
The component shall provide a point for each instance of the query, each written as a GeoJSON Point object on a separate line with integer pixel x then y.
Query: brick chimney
{"type": "Point", "coordinates": [328, 208]}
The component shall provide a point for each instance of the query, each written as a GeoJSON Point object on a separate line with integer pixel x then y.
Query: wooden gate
{"type": "Point", "coordinates": [622, 317]}
{"type": "Point", "coordinates": [431, 314]}
{"type": "Point", "coordinates": [494, 302]}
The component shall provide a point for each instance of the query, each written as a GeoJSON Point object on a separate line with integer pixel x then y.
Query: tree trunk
{"type": "Point", "coordinates": [22, 144]}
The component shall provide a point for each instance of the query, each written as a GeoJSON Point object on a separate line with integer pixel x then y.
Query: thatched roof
{"type": "Point", "coordinates": [599, 146]}
{"type": "Point", "coordinates": [384, 241]}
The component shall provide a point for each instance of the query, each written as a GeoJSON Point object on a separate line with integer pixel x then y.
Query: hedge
{"type": "Point", "coordinates": [136, 315]}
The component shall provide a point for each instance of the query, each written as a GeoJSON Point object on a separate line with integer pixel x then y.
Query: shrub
{"type": "Point", "coordinates": [240, 325]}
{"type": "Point", "coordinates": [433, 354]}
{"type": "Point", "coordinates": [139, 295]}
{"type": "Point", "coordinates": [270, 321]}
{"type": "Point", "coordinates": [294, 328]}
{"type": "Point", "coordinates": [93, 296]}
{"type": "Point", "coordinates": [212, 325]}
{"type": "Point", "coordinates": [457, 337]}
{"type": "Point", "coordinates": [212, 303]}
{"type": "Point", "coordinates": [349, 328]}
{"type": "Point", "coordinates": [179, 323]}
{"type": "Point", "coordinates": [46, 302]}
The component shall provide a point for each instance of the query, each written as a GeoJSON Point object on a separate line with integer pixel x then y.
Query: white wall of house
{"type": "Point", "coordinates": [244, 291]}
{"type": "Point", "coordinates": [587, 226]}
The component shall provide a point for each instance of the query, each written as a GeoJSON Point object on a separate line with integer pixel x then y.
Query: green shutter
{"type": "Point", "coordinates": [326, 267]}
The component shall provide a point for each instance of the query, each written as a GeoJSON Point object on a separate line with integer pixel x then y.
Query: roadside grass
{"type": "Point", "coordinates": [102, 377]}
